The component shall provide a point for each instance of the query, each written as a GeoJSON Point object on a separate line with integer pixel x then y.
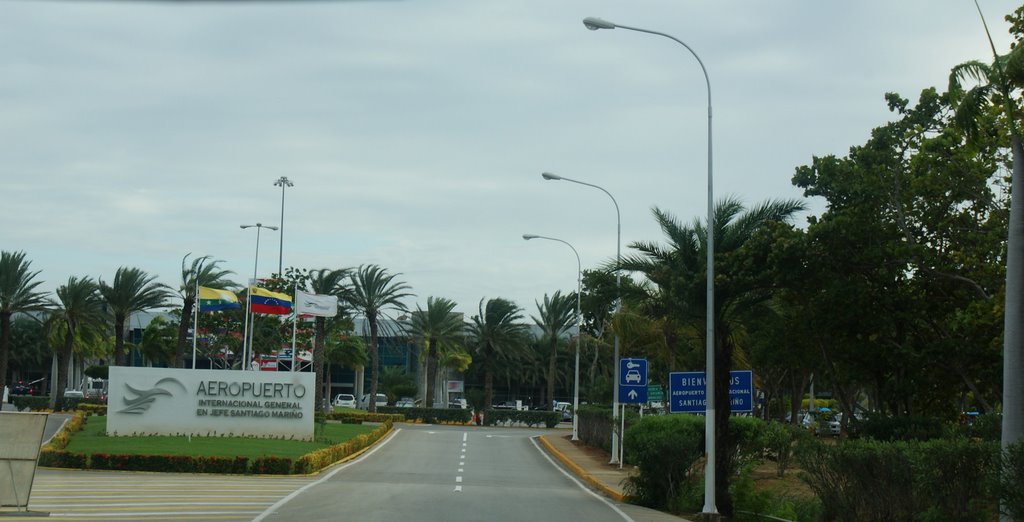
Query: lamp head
{"type": "Point", "coordinates": [270, 227]}
{"type": "Point", "coordinates": [548, 175]}
{"type": "Point", "coordinates": [530, 236]}
{"type": "Point", "coordinates": [283, 181]}
{"type": "Point", "coordinates": [594, 23]}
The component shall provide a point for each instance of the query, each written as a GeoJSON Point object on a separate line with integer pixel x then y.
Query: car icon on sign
{"type": "Point", "coordinates": [633, 376]}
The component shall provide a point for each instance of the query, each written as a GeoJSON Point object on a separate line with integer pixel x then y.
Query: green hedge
{"type": "Point", "coordinates": [62, 459]}
{"type": "Point", "coordinates": [361, 417]}
{"type": "Point", "coordinates": [885, 428]}
{"type": "Point", "coordinates": [1011, 481]}
{"type": "Point", "coordinates": [37, 403]}
{"type": "Point", "coordinates": [53, 455]}
{"type": "Point", "coordinates": [431, 415]}
{"type": "Point", "coordinates": [665, 449]}
{"type": "Point", "coordinates": [532, 418]}
{"type": "Point", "coordinates": [947, 480]}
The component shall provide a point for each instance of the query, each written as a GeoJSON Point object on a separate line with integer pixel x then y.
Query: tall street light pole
{"type": "Point", "coordinates": [618, 287]}
{"type": "Point", "coordinates": [282, 182]}
{"type": "Point", "coordinates": [579, 332]}
{"type": "Point", "coordinates": [594, 24]}
{"type": "Point", "coordinates": [247, 333]}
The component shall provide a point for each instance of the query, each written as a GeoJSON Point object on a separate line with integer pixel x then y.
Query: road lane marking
{"type": "Point", "coordinates": [277, 505]}
{"type": "Point", "coordinates": [458, 489]}
{"type": "Point", "coordinates": [615, 508]}
{"type": "Point", "coordinates": [464, 436]}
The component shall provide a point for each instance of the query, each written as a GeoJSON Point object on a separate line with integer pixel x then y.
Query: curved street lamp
{"type": "Point", "coordinates": [247, 333]}
{"type": "Point", "coordinates": [579, 332]}
{"type": "Point", "coordinates": [618, 286]}
{"type": "Point", "coordinates": [594, 24]}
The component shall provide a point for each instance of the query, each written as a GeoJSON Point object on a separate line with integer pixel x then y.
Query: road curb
{"type": "Point", "coordinates": [579, 472]}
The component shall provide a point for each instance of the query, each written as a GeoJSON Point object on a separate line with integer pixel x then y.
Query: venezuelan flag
{"type": "Point", "coordinates": [263, 301]}
{"type": "Point", "coordinates": [215, 299]}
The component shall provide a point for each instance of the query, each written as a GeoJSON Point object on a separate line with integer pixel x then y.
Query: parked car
{"type": "Point", "coordinates": [458, 403]}
{"type": "Point", "coordinates": [382, 400]}
{"type": "Point", "coordinates": [566, 409]}
{"type": "Point", "coordinates": [344, 400]}
{"type": "Point", "coordinates": [23, 388]}
{"type": "Point", "coordinates": [405, 402]}
{"type": "Point", "coordinates": [507, 405]}
{"type": "Point", "coordinates": [831, 427]}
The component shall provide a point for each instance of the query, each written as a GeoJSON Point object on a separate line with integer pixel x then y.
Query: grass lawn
{"type": "Point", "coordinates": [93, 439]}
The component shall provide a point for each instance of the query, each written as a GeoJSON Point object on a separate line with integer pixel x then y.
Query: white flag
{"type": "Point", "coordinates": [313, 304]}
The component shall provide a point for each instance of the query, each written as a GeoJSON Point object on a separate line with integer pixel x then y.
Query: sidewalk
{"type": "Point", "coordinates": [588, 464]}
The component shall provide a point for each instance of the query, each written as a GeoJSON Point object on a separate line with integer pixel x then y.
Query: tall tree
{"type": "Point", "coordinates": [496, 334]}
{"type": "Point", "coordinates": [738, 294]}
{"type": "Point", "coordinates": [1000, 85]}
{"type": "Point", "coordinates": [372, 291]}
{"type": "Point", "coordinates": [158, 341]}
{"type": "Point", "coordinates": [79, 314]}
{"type": "Point", "coordinates": [17, 294]}
{"type": "Point", "coordinates": [555, 316]}
{"type": "Point", "coordinates": [133, 290]}
{"type": "Point", "coordinates": [324, 282]}
{"type": "Point", "coordinates": [438, 327]}
{"type": "Point", "coordinates": [202, 272]}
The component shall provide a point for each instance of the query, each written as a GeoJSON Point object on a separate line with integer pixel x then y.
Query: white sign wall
{"type": "Point", "coordinates": [173, 401]}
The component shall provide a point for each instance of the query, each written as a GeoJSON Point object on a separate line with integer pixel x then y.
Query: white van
{"type": "Point", "coordinates": [364, 403]}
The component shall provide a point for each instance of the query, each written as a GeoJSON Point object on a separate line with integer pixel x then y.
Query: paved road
{"type": "Point", "coordinates": [430, 473]}
{"type": "Point", "coordinates": [422, 473]}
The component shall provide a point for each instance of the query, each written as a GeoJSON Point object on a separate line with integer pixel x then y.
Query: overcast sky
{"type": "Point", "coordinates": [133, 133]}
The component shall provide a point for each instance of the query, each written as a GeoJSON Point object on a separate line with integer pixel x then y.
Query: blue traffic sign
{"type": "Point", "coordinates": [687, 393]}
{"type": "Point", "coordinates": [632, 381]}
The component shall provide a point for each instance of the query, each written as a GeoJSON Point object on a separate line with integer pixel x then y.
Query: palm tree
{"type": "Point", "coordinates": [497, 333]}
{"type": "Point", "coordinates": [133, 291]}
{"type": "Point", "coordinates": [439, 328]}
{"type": "Point", "coordinates": [680, 272]}
{"type": "Point", "coordinates": [998, 82]}
{"type": "Point", "coordinates": [555, 317]}
{"type": "Point", "coordinates": [17, 295]}
{"type": "Point", "coordinates": [373, 290]}
{"type": "Point", "coordinates": [79, 313]}
{"type": "Point", "coordinates": [202, 272]}
{"type": "Point", "coordinates": [324, 282]}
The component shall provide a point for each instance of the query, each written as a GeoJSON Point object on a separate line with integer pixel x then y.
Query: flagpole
{"type": "Point", "coordinates": [195, 323]}
{"type": "Point", "coordinates": [295, 320]}
{"type": "Point", "coordinates": [245, 331]}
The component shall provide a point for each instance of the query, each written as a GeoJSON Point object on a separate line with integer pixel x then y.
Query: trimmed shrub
{"type": "Point", "coordinates": [884, 428]}
{"type": "Point", "coordinates": [431, 415]}
{"type": "Point", "coordinates": [1011, 481]}
{"type": "Point", "coordinates": [780, 441]}
{"type": "Point", "coordinates": [532, 418]}
{"type": "Point", "coordinates": [953, 479]}
{"type": "Point", "coordinates": [272, 465]}
{"type": "Point", "coordinates": [667, 450]}
{"type": "Point", "coordinates": [54, 458]}
{"type": "Point", "coordinates": [30, 402]}
{"type": "Point", "coordinates": [859, 480]}
{"type": "Point", "coordinates": [361, 417]}
{"type": "Point", "coordinates": [897, 481]}
{"type": "Point", "coordinates": [92, 409]}
{"type": "Point", "coordinates": [317, 460]}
